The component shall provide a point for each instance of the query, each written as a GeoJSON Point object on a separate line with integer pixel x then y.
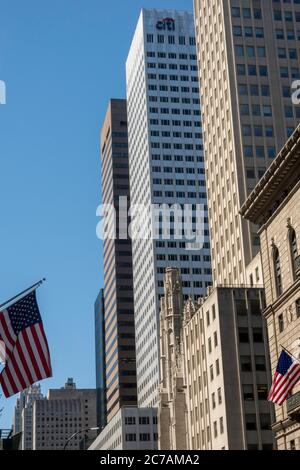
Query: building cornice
{"type": "Point", "coordinates": [282, 299]}
{"type": "Point", "coordinates": [279, 179]}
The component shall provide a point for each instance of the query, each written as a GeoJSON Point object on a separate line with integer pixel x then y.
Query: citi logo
{"type": "Point", "coordinates": [167, 24]}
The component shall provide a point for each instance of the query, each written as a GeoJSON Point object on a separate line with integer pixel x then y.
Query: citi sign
{"type": "Point", "coordinates": [167, 24]}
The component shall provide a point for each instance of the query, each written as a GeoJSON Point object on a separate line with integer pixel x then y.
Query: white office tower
{"type": "Point", "coordinates": [166, 167]}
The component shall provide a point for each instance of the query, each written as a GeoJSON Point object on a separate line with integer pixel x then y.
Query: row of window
{"type": "Point", "coordinates": [266, 110]}
{"type": "Point", "coordinates": [171, 66]}
{"type": "Point", "coordinates": [176, 146]}
{"type": "Point", "coordinates": [143, 420]}
{"type": "Point", "coordinates": [171, 55]}
{"type": "Point", "coordinates": [144, 437]}
{"type": "Point", "coordinates": [290, 34]}
{"type": "Point", "coordinates": [170, 39]}
{"type": "Point", "coordinates": [184, 271]}
{"type": "Point", "coordinates": [287, 15]}
{"type": "Point", "coordinates": [257, 131]}
{"type": "Point", "coordinates": [180, 170]}
{"type": "Point", "coordinates": [173, 78]}
{"type": "Point", "coordinates": [252, 70]}
{"type": "Point", "coordinates": [176, 135]}
{"type": "Point", "coordinates": [263, 131]}
{"type": "Point", "coordinates": [250, 51]}
{"type": "Point", "coordinates": [248, 32]}
{"type": "Point", "coordinates": [178, 158]}
{"type": "Point", "coordinates": [255, 90]}
{"type": "Point", "coordinates": [174, 122]}
{"type": "Point", "coordinates": [173, 88]}
{"type": "Point", "coordinates": [173, 99]}
{"type": "Point", "coordinates": [247, 13]}
{"type": "Point", "coordinates": [259, 152]}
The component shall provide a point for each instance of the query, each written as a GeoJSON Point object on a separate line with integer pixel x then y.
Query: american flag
{"type": "Point", "coordinates": [27, 354]}
{"type": "Point", "coordinates": [286, 376]}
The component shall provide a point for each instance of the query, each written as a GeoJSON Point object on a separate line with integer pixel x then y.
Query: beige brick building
{"type": "Point", "coordinates": [215, 371]}
{"type": "Point", "coordinates": [275, 206]}
{"type": "Point", "coordinates": [248, 55]}
{"type": "Point", "coordinates": [227, 371]}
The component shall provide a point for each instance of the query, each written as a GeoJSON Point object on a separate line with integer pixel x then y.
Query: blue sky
{"type": "Point", "coordinates": [61, 60]}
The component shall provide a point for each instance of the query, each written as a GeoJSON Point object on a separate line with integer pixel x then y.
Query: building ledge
{"type": "Point", "coordinates": [293, 407]}
{"type": "Point", "coordinates": [276, 184]}
{"type": "Point", "coordinates": [282, 299]}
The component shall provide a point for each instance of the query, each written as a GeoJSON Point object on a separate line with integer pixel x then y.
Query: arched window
{"type": "Point", "coordinates": [277, 271]}
{"type": "Point", "coordinates": [293, 249]}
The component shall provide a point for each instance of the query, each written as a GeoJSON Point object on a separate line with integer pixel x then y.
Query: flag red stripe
{"type": "Point", "coordinates": [285, 381]}
{"type": "Point", "coordinates": [6, 336]}
{"type": "Point", "coordinates": [288, 387]}
{"type": "Point", "coordinates": [41, 327]}
{"type": "Point", "coordinates": [3, 385]}
{"type": "Point", "coordinates": [16, 371]}
{"type": "Point", "coordinates": [31, 354]}
{"type": "Point", "coordinates": [282, 385]}
{"type": "Point", "coordinates": [40, 349]}
{"type": "Point", "coordinates": [24, 362]}
{"type": "Point", "coordinates": [11, 380]}
{"type": "Point", "coordinates": [41, 338]}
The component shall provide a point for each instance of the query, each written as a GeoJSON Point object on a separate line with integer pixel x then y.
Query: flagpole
{"type": "Point", "coordinates": [30, 289]}
{"type": "Point", "coordinates": [286, 350]}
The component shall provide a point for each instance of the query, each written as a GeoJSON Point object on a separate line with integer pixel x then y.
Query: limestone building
{"type": "Point", "coordinates": [130, 429]}
{"type": "Point", "coordinates": [227, 371]}
{"type": "Point", "coordinates": [64, 412]}
{"type": "Point", "coordinates": [215, 371]}
{"type": "Point", "coordinates": [275, 206]}
{"type": "Point", "coordinates": [172, 400]}
{"type": "Point", "coordinates": [23, 416]}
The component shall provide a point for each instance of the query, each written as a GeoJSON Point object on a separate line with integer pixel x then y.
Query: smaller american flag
{"type": "Point", "coordinates": [27, 354]}
{"type": "Point", "coordinates": [286, 376]}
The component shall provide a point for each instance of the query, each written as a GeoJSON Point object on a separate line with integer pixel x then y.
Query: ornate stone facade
{"type": "Point", "coordinates": [172, 402]}
{"type": "Point", "coordinates": [275, 206]}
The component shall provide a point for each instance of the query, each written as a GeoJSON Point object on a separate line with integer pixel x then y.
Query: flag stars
{"type": "Point", "coordinates": [24, 313]}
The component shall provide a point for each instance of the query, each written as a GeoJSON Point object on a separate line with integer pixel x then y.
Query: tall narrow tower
{"type": "Point", "coordinates": [120, 362]}
{"type": "Point", "coordinates": [166, 166]}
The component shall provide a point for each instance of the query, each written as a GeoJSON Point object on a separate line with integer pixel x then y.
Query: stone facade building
{"type": "Point", "coordinates": [215, 371]}
{"type": "Point", "coordinates": [275, 206]}
{"type": "Point", "coordinates": [23, 415]}
{"type": "Point", "coordinates": [227, 371]}
{"type": "Point", "coordinates": [63, 413]}
{"type": "Point", "coordinates": [172, 403]}
{"type": "Point", "coordinates": [130, 429]}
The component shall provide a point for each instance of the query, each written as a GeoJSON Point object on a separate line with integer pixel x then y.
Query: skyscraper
{"type": "Point", "coordinates": [120, 362]}
{"type": "Point", "coordinates": [100, 360]}
{"type": "Point", "coordinates": [23, 415]}
{"type": "Point", "coordinates": [166, 166]}
{"type": "Point", "coordinates": [248, 55]}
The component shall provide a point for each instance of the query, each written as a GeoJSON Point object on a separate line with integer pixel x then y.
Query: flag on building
{"type": "Point", "coordinates": [27, 357]}
{"type": "Point", "coordinates": [286, 376]}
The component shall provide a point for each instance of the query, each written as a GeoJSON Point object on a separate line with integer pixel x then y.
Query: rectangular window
{"type": "Point", "coordinates": [280, 323]}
